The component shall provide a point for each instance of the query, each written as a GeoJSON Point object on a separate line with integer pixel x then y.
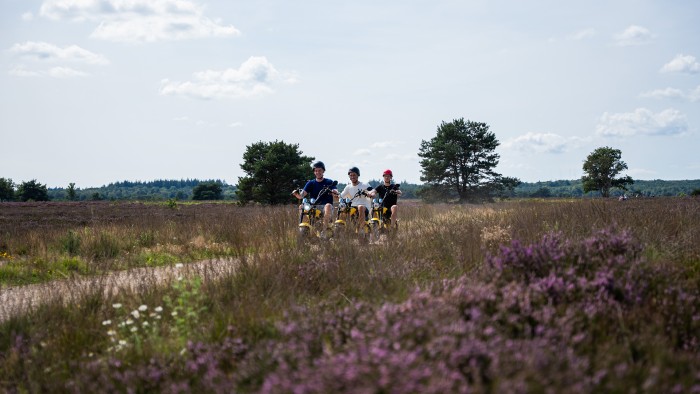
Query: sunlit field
{"type": "Point", "coordinates": [518, 296]}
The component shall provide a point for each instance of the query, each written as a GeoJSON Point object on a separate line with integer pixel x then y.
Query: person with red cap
{"type": "Point", "coordinates": [390, 198]}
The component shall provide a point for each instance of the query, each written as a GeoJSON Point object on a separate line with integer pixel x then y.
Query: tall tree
{"type": "Point", "coordinates": [32, 191]}
{"type": "Point", "coordinates": [207, 191]}
{"type": "Point", "coordinates": [272, 170]}
{"type": "Point", "coordinates": [459, 161]}
{"type": "Point", "coordinates": [602, 167]}
{"type": "Point", "coordinates": [7, 189]}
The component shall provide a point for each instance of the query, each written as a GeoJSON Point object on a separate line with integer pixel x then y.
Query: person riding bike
{"type": "Point", "coordinates": [354, 190]}
{"type": "Point", "coordinates": [314, 187]}
{"type": "Point", "coordinates": [390, 198]}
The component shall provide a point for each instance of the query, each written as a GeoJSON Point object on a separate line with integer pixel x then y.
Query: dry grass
{"type": "Point", "coordinates": [45, 242]}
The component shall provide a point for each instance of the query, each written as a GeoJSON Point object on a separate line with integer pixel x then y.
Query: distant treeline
{"type": "Point", "coordinates": [574, 188]}
{"type": "Point", "coordinates": [160, 189]}
{"type": "Point", "coordinates": [182, 190]}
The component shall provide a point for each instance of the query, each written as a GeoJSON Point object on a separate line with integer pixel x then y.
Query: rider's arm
{"type": "Point", "coordinates": [298, 195]}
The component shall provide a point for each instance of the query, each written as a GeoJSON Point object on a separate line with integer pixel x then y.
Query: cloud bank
{"type": "Point", "coordinates": [682, 64]}
{"type": "Point", "coordinates": [634, 35]}
{"type": "Point", "coordinates": [139, 20]}
{"type": "Point", "coordinates": [642, 122]}
{"type": "Point", "coordinates": [255, 77]}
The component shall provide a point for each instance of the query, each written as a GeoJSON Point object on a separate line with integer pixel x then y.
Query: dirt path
{"type": "Point", "coordinates": [17, 300]}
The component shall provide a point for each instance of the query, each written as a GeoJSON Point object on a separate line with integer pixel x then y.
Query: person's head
{"type": "Point", "coordinates": [319, 169]}
{"type": "Point", "coordinates": [387, 176]}
{"type": "Point", "coordinates": [354, 173]}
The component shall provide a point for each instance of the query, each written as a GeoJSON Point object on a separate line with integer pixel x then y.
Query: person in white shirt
{"type": "Point", "coordinates": [357, 191]}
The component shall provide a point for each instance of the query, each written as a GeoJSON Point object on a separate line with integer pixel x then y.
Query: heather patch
{"type": "Point", "coordinates": [556, 315]}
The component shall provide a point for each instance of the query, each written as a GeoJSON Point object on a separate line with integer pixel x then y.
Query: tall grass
{"type": "Point", "coordinates": [568, 296]}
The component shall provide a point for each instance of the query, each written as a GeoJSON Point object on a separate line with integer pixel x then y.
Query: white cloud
{"type": "Point", "coordinates": [362, 152]}
{"type": "Point", "coordinates": [634, 35]}
{"type": "Point", "coordinates": [672, 93]}
{"type": "Point", "coordinates": [20, 71]}
{"type": "Point", "coordinates": [582, 34]}
{"type": "Point", "coordinates": [54, 72]}
{"type": "Point", "coordinates": [642, 122]}
{"type": "Point", "coordinates": [235, 124]}
{"type": "Point", "coordinates": [255, 77]}
{"type": "Point", "coordinates": [668, 93]}
{"type": "Point", "coordinates": [27, 16]}
{"type": "Point", "coordinates": [139, 20]}
{"type": "Point", "coordinates": [694, 95]}
{"type": "Point", "coordinates": [65, 72]}
{"type": "Point", "coordinates": [45, 51]}
{"type": "Point", "coordinates": [541, 143]}
{"type": "Point", "coordinates": [682, 64]}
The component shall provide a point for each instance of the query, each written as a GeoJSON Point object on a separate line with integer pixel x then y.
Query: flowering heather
{"type": "Point", "coordinates": [554, 316]}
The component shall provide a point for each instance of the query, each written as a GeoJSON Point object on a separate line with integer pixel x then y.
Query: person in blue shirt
{"type": "Point", "coordinates": [314, 187]}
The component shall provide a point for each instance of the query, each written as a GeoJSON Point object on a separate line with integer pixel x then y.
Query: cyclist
{"type": "Point", "coordinates": [313, 189]}
{"type": "Point", "coordinates": [390, 198]}
{"type": "Point", "coordinates": [361, 201]}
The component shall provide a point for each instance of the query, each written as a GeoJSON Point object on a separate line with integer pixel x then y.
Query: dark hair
{"type": "Point", "coordinates": [319, 164]}
{"type": "Point", "coordinates": [355, 170]}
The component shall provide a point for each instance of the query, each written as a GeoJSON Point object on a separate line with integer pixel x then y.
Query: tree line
{"type": "Point", "coordinates": [458, 165]}
{"type": "Point", "coordinates": [150, 191]}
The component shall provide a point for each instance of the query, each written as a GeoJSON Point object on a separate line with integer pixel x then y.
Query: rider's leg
{"type": "Point", "coordinates": [361, 217]}
{"type": "Point", "coordinates": [394, 213]}
{"type": "Point", "coordinates": [327, 212]}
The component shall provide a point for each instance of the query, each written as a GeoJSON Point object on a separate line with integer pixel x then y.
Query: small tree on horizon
{"type": "Point", "coordinates": [71, 192]}
{"type": "Point", "coordinates": [602, 167]}
{"type": "Point", "coordinates": [32, 191]}
{"type": "Point", "coordinates": [7, 189]}
{"type": "Point", "coordinates": [207, 191]}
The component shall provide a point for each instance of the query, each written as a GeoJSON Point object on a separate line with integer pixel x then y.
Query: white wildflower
{"type": "Point", "coordinates": [111, 333]}
{"type": "Point", "coordinates": [116, 306]}
{"type": "Point", "coordinates": [178, 265]}
{"type": "Point", "coordinates": [145, 324]}
{"type": "Point", "coordinates": [106, 322]}
{"type": "Point", "coordinates": [174, 313]}
{"type": "Point", "coordinates": [129, 322]}
{"type": "Point", "coordinates": [134, 329]}
{"type": "Point", "coordinates": [143, 308]}
{"type": "Point", "coordinates": [135, 314]}
{"type": "Point", "coordinates": [159, 309]}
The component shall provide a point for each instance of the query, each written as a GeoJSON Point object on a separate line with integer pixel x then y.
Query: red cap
{"type": "Point", "coordinates": [388, 172]}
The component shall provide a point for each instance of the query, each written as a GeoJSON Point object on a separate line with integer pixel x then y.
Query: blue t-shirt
{"type": "Point", "coordinates": [313, 188]}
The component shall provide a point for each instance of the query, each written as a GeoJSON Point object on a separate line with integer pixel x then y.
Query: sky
{"type": "Point", "coordinates": [99, 91]}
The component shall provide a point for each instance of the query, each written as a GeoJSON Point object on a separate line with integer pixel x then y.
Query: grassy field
{"type": "Point", "coordinates": [519, 296]}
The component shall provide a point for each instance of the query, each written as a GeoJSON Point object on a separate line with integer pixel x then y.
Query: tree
{"type": "Point", "coordinates": [32, 191]}
{"type": "Point", "coordinates": [601, 168]}
{"type": "Point", "coordinates": [7, 189]}
{"type": "Point", "coordinates": [458, 163]}
{"type": "Point", "coordinates": [207, 191]}
{"type": "Point", "coordinates": [70, 192]}
{"type": "Point", "coordinates": [272, 170]}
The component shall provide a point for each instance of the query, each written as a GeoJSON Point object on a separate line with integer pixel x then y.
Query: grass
{"type": "Point", "coordinates": [454, 291]}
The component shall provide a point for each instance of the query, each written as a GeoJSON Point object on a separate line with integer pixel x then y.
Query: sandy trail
{"type": "Point", "coordinates": [20, 299]}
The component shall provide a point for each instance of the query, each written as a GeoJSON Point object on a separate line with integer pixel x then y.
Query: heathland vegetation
{"type": "Point", "coordinates": [560, 295]}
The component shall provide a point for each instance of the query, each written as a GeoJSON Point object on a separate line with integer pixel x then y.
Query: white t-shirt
{"type": "Point", "coordinates": [350, 191]}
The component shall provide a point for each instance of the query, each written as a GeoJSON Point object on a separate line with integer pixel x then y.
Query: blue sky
{"type": "Point", "coordinates": [99, 91]}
